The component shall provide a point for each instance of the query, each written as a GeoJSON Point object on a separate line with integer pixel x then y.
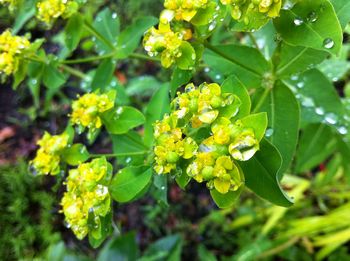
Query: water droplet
{"type": "Point", "coordinates": [328, 43]}
{"type": "Point", "coordinates": [298, 21]}
{"type": "Point", "coordinates": [114, 15]}
{"type": "Point", "coordinates": [162, 187]}
{"type": "Point", "coordinates": [319, 111]}
{"type": "Point", "coordinates": [331, 118]}
{"type": "Point", "coordinates": [218, 77]}
{"type": "Point", "coordinates": [269, 132]}
{"type": "Point", "coordinates": [128, 160]}
{"type": "Point", "coordinates": [342, 130]}
{"type": "Point", "coordinates": [300, 85]}
{"type": "Point", "coordinates": [307, 102]}
{"type": "Point", "coordinates": [206, 69]}
{"type": "Point", "coordinates": [119, 110]}
{"type": "Point", "coordinates": [312, 17]}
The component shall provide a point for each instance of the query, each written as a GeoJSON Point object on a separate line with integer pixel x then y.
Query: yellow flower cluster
{"type": "Point", "coordinates": [87, 109]}
{"type": "Point", "coordinates": [211, 155]}
{"type": "Point", "coordinates": [170, 146]}
{"type": "Point", "coordinates": [173, 30]}
{"type": "Point", "coordinates": [87, 197]}
{"type": "Point", "coordinates": [10, 3]}
{"type": "Point", "coordinates": [49, 10]}
{"type": "Point", "coordinates": [12, 50]}
{"type": "Point", "coordinates": [47, 160]}
{"type": "Point", "coordinates": [243, 9]}
{"type": "Point", "coordinates": [165, 42]}
{"type": "Point", "coordinates": [185, 9]}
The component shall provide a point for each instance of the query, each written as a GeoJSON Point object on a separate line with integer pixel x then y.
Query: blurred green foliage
{"type": "Point", "coordinates": [26, 220]}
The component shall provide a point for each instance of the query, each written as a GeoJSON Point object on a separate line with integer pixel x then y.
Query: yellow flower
{"type": "Point", "coordinates": [270, 7]}
{"type": "Point", "coordinates": [185, 9]}
{"type": "Point", "coordinates": [164, 42]}
{"type": "Point", "coordinates": [87, 109]}
{"type": "Point", "coordinates": [87, 195]}
{"type": "Point", "coordinates": [50, 10]}
{"type": "Point", "coordinates": [245, 9]}
{"type": "Point", "coordinates": [47, 160]}
{"type": "Point", "coordinates": [12, 51]}
{"type": "Point", "coordinates": [171, 146]}
{"type": "Point", "coordinates": [244, 145]}
{"type": "Point", "coordinates": [12, 4]}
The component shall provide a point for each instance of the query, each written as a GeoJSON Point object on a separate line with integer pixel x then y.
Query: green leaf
{"type": "Point", "coordinates": [225, 200]}
{"type": "Point", "coordinates": [342, 9]}
{"type": "Point", "coordinates": [122, 119]}
{"type": "Point", "coordinates": [204, 16]}
{"type": "Point", "coordinates": [258, 122]}
{"type": "Point", "coordinates": [320, 101]}
{"type": "Point", "coordinates": [179, 78]}
{"type": "Point", "coordinates": [99, 233]}
{"type": "Point", "coordinates": [297, 59]}
{"type": "Point", "coordinates": [73, 31]}
{"type": "Point", "coordinates": [334, 69]}
{"type": "Point", "coordinates": [128, 182]}
{"type": "Point", "coordinates": [24, 14]}
{"type": "Point", "coordinates": [120, 248]}
{"type": "Point", "coordinates": [75, 155]}
{"type": "Point", "coordinates": [237, 60]}
{"type": "Point", "coordinates": [188, 56]}
{"type": "Point", "coordinates": [311, 23]}
{"type": "Point", "coordinates": [235, 86]}
{"type": "Point", "coordinates": [160, 189]}
{"type": "Point", "coordinates": [283, 120]}
{"type": "Point", "coordinates": [53, 78]}
{"type": "Point", "coordinates": [155, 110]}
{"type": "Point", "coordinates": [20, 74]}
{"type": "Point", "coordinates": [103, 75]}
{"type": "Point", "coordinates": [107, 25]}
{"type": "Point", "coordinates": [129, 39]}
{"type": "Point", "coordinates": [143, 86]}
{"type": "Point", "coordinates": [266, 39]}
{"type": "Point", "coordinates": [317, 143]}
{"type": "Point", "coordinates": [261, 174]}
{"type": "Point", "coordinates": [167, 248]}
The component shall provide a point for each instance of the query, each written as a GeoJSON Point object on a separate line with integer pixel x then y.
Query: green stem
{"type": "Point", "coordinates": [279, 248]}
{"type": "Point", "coordinates": [73, 71]}
{"type": "Point", "coordinates": [89, 59]}
{"type": "Point", "coordinates": [119, 154]}
{"type": "Point", "coordinates": [219, 52]}
{"type": "Point", "coordinates": [93, 31]}
{"type": "Point", "coordinates": [144, 57]}
{"type": "Point", "coordinates": [262, 100]}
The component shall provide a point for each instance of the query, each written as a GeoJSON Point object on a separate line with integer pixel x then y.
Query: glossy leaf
{"type": "Point", "coordinates": [258, 122]}
{"type": "Point", "coordinates": [129, 39]}
{"type": "Point", "coordinates": [179, 78]}
{"type": "Point", "coordinates": [297, 59]}
{"type": "Point", "coordinates": [74, 31]}
{"type": "Point", "coordinates": [155, 110]}
{"type": "Point", "coordinates": [123, 247]}
{"type": "Point", "coordinates": [261, 174]}
{"type": "Point", "coordinates": [122, 119]}
{"type": "Point", "coordinates": [75, 155]}
{"type": "Point", "coordinates": [342, 9]}
{"type": "Point", "coordinates": [317, 143]}
{"type": "Point", "coordinates": [235, 86]}
{"type": "Point", "coordinates": [311, 23]}
{"type": "Point", "coordinates": [237, 60]}
{"type": "Point", "coordinates": [103, 75]}
{"type": "Point", "coordinates": [225, 200]}
{"type": "Point", "coordinates": [188, 56]}
{"type": "Point", "coordinates": [128, 182]}
{"type": "Point", "coordinates": [283, 122]}
{"type": "Point", "coordinates": [107, 25]}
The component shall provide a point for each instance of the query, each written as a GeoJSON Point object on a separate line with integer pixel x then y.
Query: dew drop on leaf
{"type": "Point", "coordinates": [298, 21]}
{"type": "Point", "coordinates": [328, 43]}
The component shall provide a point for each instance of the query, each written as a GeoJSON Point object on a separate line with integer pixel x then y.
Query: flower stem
{"type": "Point", "coordinates": [144, 57]}
{"type": "Point", "coordinates": [73, 71]}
